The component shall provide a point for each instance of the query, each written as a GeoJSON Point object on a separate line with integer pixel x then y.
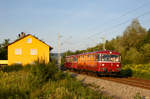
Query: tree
{"type": "Point", "coordinates": [3, 49]}
{"type": "Point", "coordinates": [133, 56]}
{"type": "Point", "coordinates": [133, 35]}
{"type": "Point", "coordinates": [146, 52]}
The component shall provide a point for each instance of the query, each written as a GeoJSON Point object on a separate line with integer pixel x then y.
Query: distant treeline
{"type": "Point", "coordinates": [134, 45]}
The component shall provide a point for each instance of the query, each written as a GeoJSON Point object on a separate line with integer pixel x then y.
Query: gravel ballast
{"type": "Point", "coordinates": [114, 89]}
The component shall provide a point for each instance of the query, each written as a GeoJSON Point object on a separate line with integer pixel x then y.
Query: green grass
{"type": "Point", "coordinates": [42, 81]}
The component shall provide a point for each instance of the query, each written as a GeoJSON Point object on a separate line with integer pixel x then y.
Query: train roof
{"type": "Point", "coordinates": [71, 56]}
{"type": "Point", "coordinates": [103, 52]}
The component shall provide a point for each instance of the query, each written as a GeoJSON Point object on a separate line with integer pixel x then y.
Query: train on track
{"type": "Point", "coordinates": [99, 62]}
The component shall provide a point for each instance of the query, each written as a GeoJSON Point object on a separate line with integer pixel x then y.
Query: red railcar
{"type": "Point", "coordinates": [100, 61]}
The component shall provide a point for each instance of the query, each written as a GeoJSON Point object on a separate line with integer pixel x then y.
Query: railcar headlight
{"type": "Point", "coordinates": [117, 65]}
{"type": "Point", "coordinates": [103, 64]}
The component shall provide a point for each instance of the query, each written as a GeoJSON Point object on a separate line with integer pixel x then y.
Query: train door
{"type": "Point", "coordinates": [103, 62]}
{"type": "Point", "coordinates": [106, 63]}
{"type": "Point", "coordinates": [98, 60]}
{"type": "Point", "coordinates": [74, 62]}
{"type": "Point", "coordinates": [94, 62]}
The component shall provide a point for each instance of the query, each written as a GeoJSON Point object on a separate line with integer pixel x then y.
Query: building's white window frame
{"type": "Point", "coordinates": [33, 51]}
{"type": "Point", "coordinates": [19, 63]}
{"type": "Point", "coordinates": [29, 40]}
{"type": "Point", "coordinates": [18, 51]}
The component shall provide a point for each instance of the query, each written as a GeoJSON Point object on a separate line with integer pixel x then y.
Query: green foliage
{"type": "Point", "coordinates": [139, 71]}
{"type": "Point", "coordinates": [12, 68]}
{"type": "Point", "coordinates": [126, 72]}
{"type": "Point", "coordinates": [146, 52]}
{"type": "Point", "coordinates": [42, 81]}
{"type": "Point", "coordinates": [138, 96]}
{"type": "Point", "coordinates": [44, 71]}
{"type": "Point", "coordinates": [3, 53]}
{"type": "Point", "coordinates": [3, 49]}
{"type": "Point", "coordinates": [133, 56]}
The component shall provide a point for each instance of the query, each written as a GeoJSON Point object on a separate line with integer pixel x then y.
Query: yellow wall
{"type": "Point", "coordinates": [3, 61]}
{"type": "Point", "coordinates": [26, 57]}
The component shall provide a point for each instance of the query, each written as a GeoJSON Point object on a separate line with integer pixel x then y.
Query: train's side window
{"type": "Point", "coordinates": [106, 57]}
{"type": "Point", "coordinates": [83, 57]}
{"type": "Point", "coordinates": [90, 57]}
{"type": "Point", "coordinates": [87, 57]}
{"type": "Point", "coordinates": [75, 59]}
{"type": "Point", "coordinates": [98, 57]}
{"type": "Point", "coordinates": [94, 57]}
{"type": "Point", "coordinates": [68, 59]}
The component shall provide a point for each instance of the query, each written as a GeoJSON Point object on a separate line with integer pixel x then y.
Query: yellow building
{"type": "Point", "coordinates": [28, 49]}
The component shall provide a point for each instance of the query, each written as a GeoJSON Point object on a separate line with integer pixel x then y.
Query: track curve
{"type": "Point", "coordinates": [130, 81]}
{"type": "Point", "coordinates": [137, 82]}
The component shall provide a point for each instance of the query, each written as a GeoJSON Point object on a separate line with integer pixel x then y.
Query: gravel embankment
{"type": "Point", "coordinates": [114, 89]}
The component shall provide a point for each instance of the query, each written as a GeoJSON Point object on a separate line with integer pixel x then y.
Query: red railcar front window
{"type": "Point", "coordinates": [115, 58]}
{"type": "Point", "coordinates": [108, 57]}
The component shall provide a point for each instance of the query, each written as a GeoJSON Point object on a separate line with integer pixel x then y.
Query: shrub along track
{"type": "Point", "coordinates": [137, 82]}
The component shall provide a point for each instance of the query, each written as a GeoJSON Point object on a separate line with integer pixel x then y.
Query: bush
{"type": "Point", "coordinates": [44, 72]}
{"type": "Point", "coordinates": [140, 71]}
{"type": "Point", "coordinates": [14, 67]}
{"type": "Point", "coordinates": [126, 72]}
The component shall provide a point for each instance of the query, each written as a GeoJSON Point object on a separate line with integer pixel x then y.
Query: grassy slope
{"type": "Point", "coordinates": [42, 81]}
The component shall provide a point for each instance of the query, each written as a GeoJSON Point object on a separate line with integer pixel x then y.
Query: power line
{"type": "Point", "coordinates": [126, 13]}
{"type": "Point", "coordinates": [109, 29]}
{"type": "Point", "coordinates": [118, 25]}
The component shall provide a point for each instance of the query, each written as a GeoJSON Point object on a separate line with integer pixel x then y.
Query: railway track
{"type": "Point", "coordinates": [137, 82]}
{"type": "Point", "coordinates": [130, 81]}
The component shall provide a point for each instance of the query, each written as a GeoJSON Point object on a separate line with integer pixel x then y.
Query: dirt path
{"type": "Point", "coordinates": [114, 89]}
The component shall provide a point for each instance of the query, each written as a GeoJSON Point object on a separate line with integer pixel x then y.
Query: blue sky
{"type": "Point", "coordinates": [81, 23]}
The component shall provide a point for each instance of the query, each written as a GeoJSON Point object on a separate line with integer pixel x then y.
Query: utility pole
{"type": "Point", "coordinates": [58, 51]}
{"type": "Point", "coordinates": [104, 41]}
